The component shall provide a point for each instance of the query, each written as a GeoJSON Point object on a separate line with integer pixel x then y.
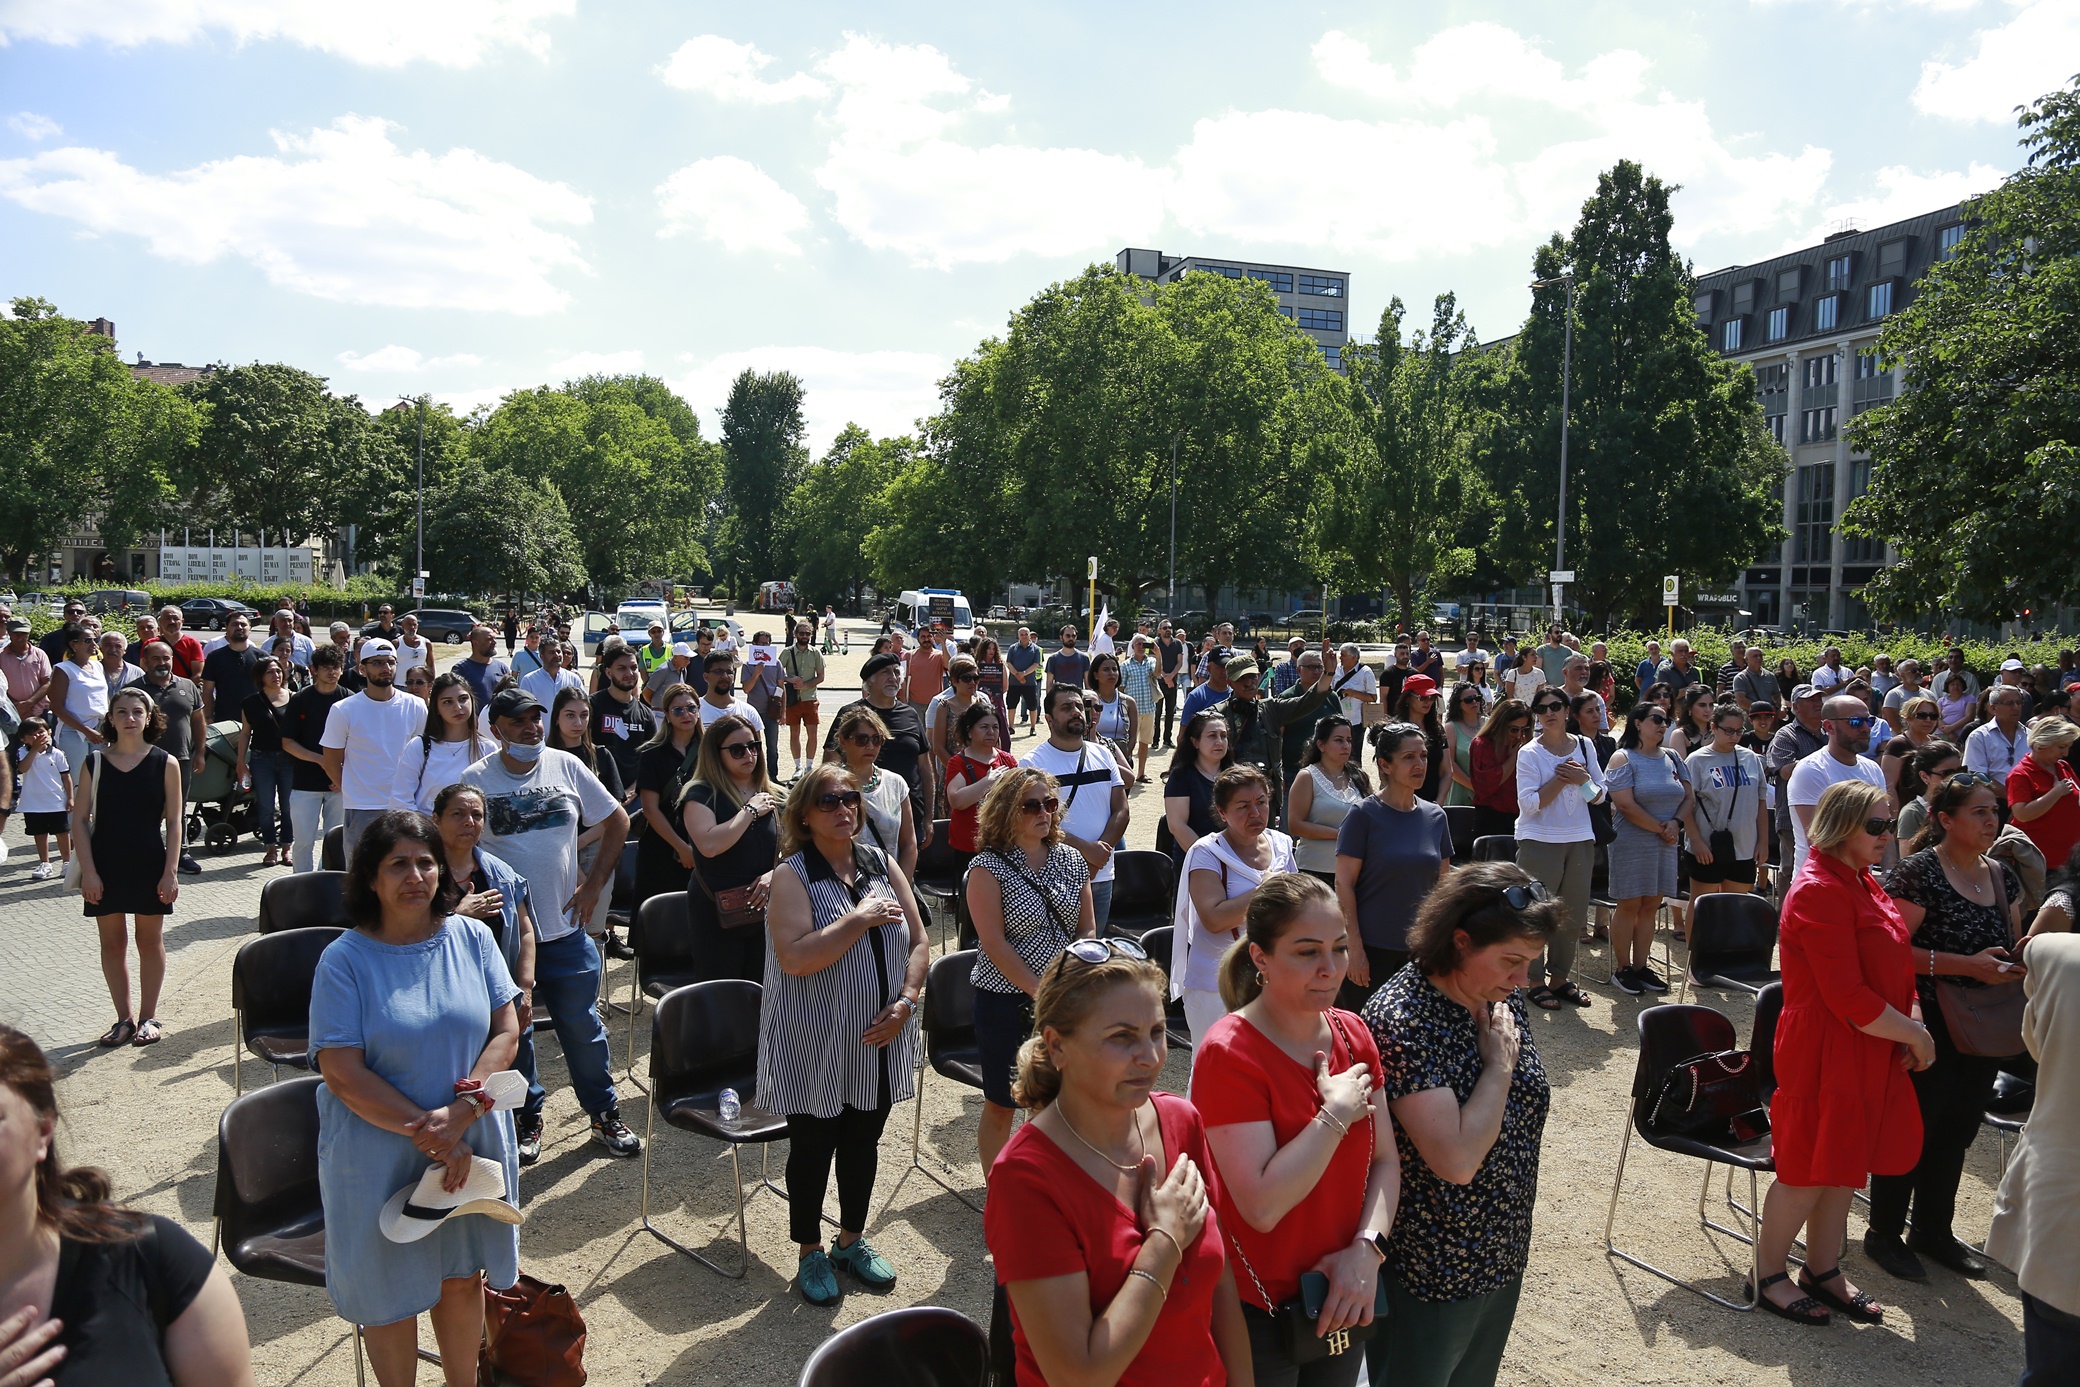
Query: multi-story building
{"type": "Point", "coordinates": [1807, 322]}
{"type": "Point", "coordinates": [1317, 300]}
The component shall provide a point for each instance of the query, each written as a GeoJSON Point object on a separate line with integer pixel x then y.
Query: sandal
{"type": "Point", "coordinates": [1542, 997]}
{"type": "Point", "coordinates": [1804, 1310]}
{"type": "Point", "coordinates": [148, 1032]}
{"type": "Point", "coordinates": [1568, 992]}
{"type": "Point", "coordinates": [1861, 1307]}
{"type": "Point", "coordinates": [119, 1034]}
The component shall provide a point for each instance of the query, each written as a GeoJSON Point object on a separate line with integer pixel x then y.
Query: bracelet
{"type": "Point", "coordinates": [1150, 1278]}
{"type": "Point", "coordinates": [1342, 1128]}
{"type": "Point", "coordinates": [1931, 962]}
{"type": "Point", "coordinates": [1165, 1233]}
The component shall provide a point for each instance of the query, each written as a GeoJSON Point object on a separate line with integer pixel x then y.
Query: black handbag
{"type": "Point", "coordinates": [1713, 1098]}
{"type": "Point", "coordinates": [1601, 826]}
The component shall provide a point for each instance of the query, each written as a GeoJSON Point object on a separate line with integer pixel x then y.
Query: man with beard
{"type": "Point", "coordinates": [904, 751]}
{"type": "Point", "coordinates": [621, 721]}
{"type": "Point", "coordinates": [1093, 793]}
{"type": "Point", "coordinates": [186, 738]}
{"type": "Point", "coordinates": [1257, 725]}
{"type": "Point", "coordinates": [227, 672]}
{"type": "Point", "coordinates": [364, 736]}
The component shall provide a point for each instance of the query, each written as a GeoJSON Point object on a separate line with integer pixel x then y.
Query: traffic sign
{"type": "Point", "coordinates": [1671, 589]}
{"type": "Point", "coordinates": [1560, 575]}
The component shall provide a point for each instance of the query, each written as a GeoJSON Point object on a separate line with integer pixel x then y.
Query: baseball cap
{"type": "Point", "coordinates": [1804, 692]}
{"type": "Point", "coordinates": [2007, 666]}
{"type": "Point", "coordinates": [372, 648]}
{"type": "Point", "coordinates": [514, 702]}
{"type": "Point", "coordinates": [1761, 705]}
{"type": "Point", "coordinates": [1241, 667]}
{"type": "Point", "coordinates": [17, 624]}
{"type": "Point", "coordinates": [682, 649]}
{"type": "Point", "coordinates": [1421, 685]}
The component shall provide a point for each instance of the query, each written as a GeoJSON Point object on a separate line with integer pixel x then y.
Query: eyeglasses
{"type": "Point", "coordinates": [1925, 717]}
{"type": "Point", "coordinates": [1099, 950]}
{"type": "Point", "coordinates": [833, 799]}
{"type": "Point", "coordinates": [1657, 719]}
{"type": "Point", "coordinates": [1050, 806]}
{"type": "Point", "coordinates": [864, 739]}
{"type": "Point", "coordinates": [1878, 828]}
{"type": "Point", "coordinates": [746, 749]}
{"type": "Point", "coordinates": [1524, 897]}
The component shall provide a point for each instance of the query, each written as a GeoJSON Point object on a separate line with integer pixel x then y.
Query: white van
{"type": "Point", "coordinates": [919, 607]}
{"type": "Point", "coordinates": [635, 614]}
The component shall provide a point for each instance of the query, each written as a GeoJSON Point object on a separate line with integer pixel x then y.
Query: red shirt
{"type": "Point", "coordinates": [1046, 1217]}
{"type": "Point", "coordinates": [1239, 1075]}
{"type": "Point", "coordinates": [962, 829]}
{"type": "Point", "coordinates": [2053, 832]}
{"type": "Point", "coordinates": [187, 657]}
{"type": "Point", "coordinates": [1494, 778]}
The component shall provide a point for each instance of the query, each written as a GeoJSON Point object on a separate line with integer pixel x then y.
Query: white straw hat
{"type": "Point", "coordinates": [416, 1210]}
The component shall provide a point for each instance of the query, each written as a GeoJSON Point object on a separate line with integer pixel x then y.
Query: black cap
{"type": "Point", "coordinates": [514, 703]}
{"type": "Point", "coordinates": [876, 663]}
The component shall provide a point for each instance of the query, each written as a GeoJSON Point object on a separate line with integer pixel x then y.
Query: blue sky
{"type": "Point", "coordinates": [467, 196]}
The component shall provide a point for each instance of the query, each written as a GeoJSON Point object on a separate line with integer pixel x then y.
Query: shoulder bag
{"type": "Point", "coordinates": [1714, 1098]}
{"type": "Point", "coordinates": [733, 907]}
{"type": "Point", "coordinates": [73, 868]}
{"type": "Point", "coordinates": [1985, 1020]}
{"type": "Point", "coordinates": [1720, 840]}
{"type": "Point", "coordinates": [533, 1336]}
{"type": "Point", "coordinates": [1295, 1320]}
{"type": "Point", "coordinates": [1600, 824]}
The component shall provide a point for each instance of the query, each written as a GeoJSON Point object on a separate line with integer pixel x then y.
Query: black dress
{"type": "Point", "coordinates": [663, 769]}
{"type": "Point", "coordinates": [129, 837]}
{"type": "Point", "coordinates": [719, 952]}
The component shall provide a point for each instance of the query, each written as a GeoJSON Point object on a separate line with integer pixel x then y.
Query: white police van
{"type": "Point", "coordinates": [918, 608]}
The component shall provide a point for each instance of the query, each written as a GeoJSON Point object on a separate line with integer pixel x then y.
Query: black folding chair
{"type": "Point", "coordinates": [950, 1047]}
{"type": "Point", "coordinates": [303, 900]}
{"type": "Point", "coordinates": [1733, 940]}
{"type": "Point", "coordinates": [704, 1039]}
{"type": "Point", "coordinates": [332, 853]}
{"type": "Point", "coordinates": [1495, 847]}
{"type": "Point", "coordinates": [622, 903]}
{"type": "Point", "coordinates": [1459, 819]}
{"type": "Point", "coordinates": [924, 1346]}
{"type": "Point", "coordinates": [1157, 943]}
{"type": "Point", "coordinates": [938, 880]}
{"type": "Point", "coordinates": [1668, 1035]}
{"type": "Point", "coordinates": [271, 981]}
{"type": "Point", "coordinates": [1144, 892]}
{"type": "Point", "coordinates": [662, 937]}
{"type": "Point", "coordinates": [270, 1220]}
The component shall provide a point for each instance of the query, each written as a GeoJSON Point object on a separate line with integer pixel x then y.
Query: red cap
{"type": "Point", "coordinates": [1421, 685]}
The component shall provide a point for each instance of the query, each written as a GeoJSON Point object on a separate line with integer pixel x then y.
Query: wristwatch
{"type": "Point", "coordinates": [1376, 1240]}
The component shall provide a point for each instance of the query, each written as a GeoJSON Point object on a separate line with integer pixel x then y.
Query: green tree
{"type": "Point", "coordinates": [274, 452]}
{"type": "Point", "coordinates": [1400, 489]}
{"type": "Point", "coordinates": [487, 531]}
{"type": "Point", "coordinates": [762, 429]}
{"type": "Point", "coordinates": [1973, 466]}
{"type": "Point", "coordinates": [837, 503]}
{"type": "Point", "coordinates": [1669, 467]}
{"type": "Point", "coordinates": [82, 442]}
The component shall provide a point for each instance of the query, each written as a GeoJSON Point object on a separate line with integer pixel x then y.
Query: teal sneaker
{"type": "Point", "coordinates": [868, 1265]}
{"type": "Point", "coordinates": [815, 1279]}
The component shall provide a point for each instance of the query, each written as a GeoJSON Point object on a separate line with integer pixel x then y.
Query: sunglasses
{"type": "Point", "coordinates": [864, 739]}
{"type": "Point", "coordinates": [1975, 778]}
{"type": "Point", "coordinates": [746, 749]}
{"type": "Point", "coordinates": [1543, 708]}
{"type": "Point", "coordinates": [1050, 806]}
{"type": "Point", "coordinates": [1099, 950]}
{"type": "Point", "coordinates": [1524, 897]}
{"type": "Point", "coordinates": [1656, 718]}
{"type": "Point", "coordinates": [1924, 717]}
{"type": "Point", "coordinates": [1878, 828]}
{"type": "Point", "coordinates": [966, 678]}
{"type": "Point", "coordinates": [835, 799]}
{"type": "Point", "coordinates": [1853, 724]}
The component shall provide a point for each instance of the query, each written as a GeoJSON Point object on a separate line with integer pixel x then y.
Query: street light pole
{"type": "Point", "coordinates": [1170, 597]}
{"type": "Point", "coordinates": [1566, 379]}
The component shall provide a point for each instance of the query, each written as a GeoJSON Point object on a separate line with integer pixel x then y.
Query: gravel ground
{"type": "Point", "coordinates": [656, 1317]}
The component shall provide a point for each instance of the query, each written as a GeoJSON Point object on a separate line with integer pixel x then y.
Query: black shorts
{"type": "Point", "coordinates": [1026, 693]}
{"type": "Point", "coordinates": [1003, 1020]}
{"type": "Point", "coordinates": [54, 821]}
{"type": "Point", "coordinates": [1740, 871]}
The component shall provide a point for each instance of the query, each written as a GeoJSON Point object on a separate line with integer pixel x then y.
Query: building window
{"type": "Point", "coordinates": [1779, 325]}
{"type": "Point", "coordinates": [1772, 380]}
{"type": "Point", "coordinates": [1816, 425]}
{"type": "Point", "coordinates": [1820, 371]}
{"type": "Point", "coordinates": [1335, 356]}
{"type": "Point", "coordinates": [1867, 367]}
{"type": "Point", "coordinates": [1229, 270]}
{"type": "Point", "coordinates": [1326, 285]}
{"type": "Point", "coordinates": [1701, 304]}
{"type": "Point", "coordinates": [1788, 284]}
{"type": "Point", "coordinates": [1809, 607]}
{"type": "Point", "coordinates": [1880, 300]}
{"type": "Point", "coordinates": [1280, 281]}
{"type": "Point", "coordinates": [1813, 520]}
{"type": "Point", "coordinates": [1775, 424]}
{"type": "Point", "coordinates": [1322, 319]}
{"type": "Point", "coordinates": [1827, 313]}
{"type": "Point", "coordinates": [1730, 336]}
{"type": "Point", "coordinates": [1948, 240]}
{"type": "Point", "coordinates": [1856, 550]}
{"type": "Point", "coordinates": [1838, 273]}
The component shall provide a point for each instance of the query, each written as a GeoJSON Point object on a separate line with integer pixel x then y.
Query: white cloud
{"type": "Point", "coordinates": [341, 213]}
{"type": "Point", "coordinates": [377, 33]}
{"type": "Point", "coordinates": [734, 203]}
{"type": "Point", "coordinates": [583, 364]}
{"type": "Point", "coordinates": [1898, 193]}
{"type": "Point", "coordinates": [31, 126]}
{"type": "Point", "coordinates": [397, 360]}
{"type": "Point", "coordinates": [2034, 53]}
{"type": "Point", "coordinates": [1479, 60]}
{"type": "Point", "coordinates": [728, 71]}
{"type": "Point", "coordinates": [885, 392]}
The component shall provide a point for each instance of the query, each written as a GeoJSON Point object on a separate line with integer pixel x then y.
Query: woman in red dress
{"type": "Point", "coordinates": [1844, 1107]}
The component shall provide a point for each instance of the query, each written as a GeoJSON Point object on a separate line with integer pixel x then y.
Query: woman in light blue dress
{"type": "Point", "coordinates": [408, 1005]}
{"type": "Point", "coordinates": [1652, 808]}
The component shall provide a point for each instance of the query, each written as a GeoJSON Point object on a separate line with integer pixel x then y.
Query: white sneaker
{"type": "Point", "coordinates": [40, 872]}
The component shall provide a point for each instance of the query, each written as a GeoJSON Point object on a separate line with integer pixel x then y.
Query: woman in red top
{"type": "Point", "coordinates": [1844, 1106]}
{"type": "Point", "coordinates": [2043, 798]}
{"type": "Point", "coordinates": [1288, 1087]}
{"type": "Point", "coordinates": [969, 772]}
{"type": "Point", "coordinates": [1495, 750]}
{"type": "Point", "coordinates": [1115, 1270]}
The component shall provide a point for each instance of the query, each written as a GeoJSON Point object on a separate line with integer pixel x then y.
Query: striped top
{"type": "Point", "coordinates": [810, 1058]}
{"type": "Point", "coordinates": [1035, 932]}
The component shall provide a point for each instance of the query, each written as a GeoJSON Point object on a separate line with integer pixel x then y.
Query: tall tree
{"type": "Point", "coordinates": [491, 531]}
{"type": "Point", "coordinates": [274, 452]}
{"type": "Point", "coordinates": [762, 430]}
{"type": "Point", "coordinates": [1669, 467]}
{"type": "Point", "coordinates": [835, 506]}
{"type": "Point", "coordinates": [1400, 489]}
{"type": "Point", "coordinates": [1973, 466]}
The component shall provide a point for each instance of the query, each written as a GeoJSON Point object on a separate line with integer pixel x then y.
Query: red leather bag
{"type": "Point", "coordinates": [533, 1336]}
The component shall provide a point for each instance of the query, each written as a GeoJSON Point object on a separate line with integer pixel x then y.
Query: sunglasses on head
{"type": "Point", "coordinates": [1878, 828]}
{"type": "Point", "coordinates": [1098, 950]}
{"type": "Point", "coordinates": [1974, 778]}
{"type": "Point", "coordinates": [1050, 806]}
{"type": "Point", "coordinates": [1524, 897]}
{"type": "Point", "coordinates": [834, 799]}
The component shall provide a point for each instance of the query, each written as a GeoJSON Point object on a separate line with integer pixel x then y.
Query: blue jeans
{"type": "Point", "coordinates": [75, 747]}
{"type": "Point", "coordinates": [312, 813]}
{"type": "Point", "coordinates": [566, 985]}
{"type": "Point", "coordinates": [1101, 903]}
{"type": "Point", "coordinates": [272, 778]}
{"type": "Point", "coordinates": [356, 823]}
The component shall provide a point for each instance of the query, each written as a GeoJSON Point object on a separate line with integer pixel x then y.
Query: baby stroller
{"type": "Point", "coordinates": [218, 809]}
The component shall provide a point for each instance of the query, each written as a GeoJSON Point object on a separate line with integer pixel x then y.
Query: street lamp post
{"type": "Point", "coordinates": [1170, 597]}
{"type": "Point", "coordinates": [419, 501]}
{"type": "Point", "coordinates": [1566, 378]}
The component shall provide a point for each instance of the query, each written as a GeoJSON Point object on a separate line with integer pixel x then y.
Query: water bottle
{"type": "Point", "coordinates": [728, 1105]}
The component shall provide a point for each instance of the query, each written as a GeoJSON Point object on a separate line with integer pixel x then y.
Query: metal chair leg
{"type": "Point", "coordinates": [360, 1376]}
{"type": "Point", "coordinates": [917, 1147]}
{"type": "Point", "coordinates": [743, 1239]}
{"type": "Point", "coordinates": [1611, 1248]}
{"type": "Point", "coordinates": [238, 1069]}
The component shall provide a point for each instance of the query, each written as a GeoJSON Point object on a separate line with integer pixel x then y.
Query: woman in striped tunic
{"type": "Point", "coordinates": [837, 1026]}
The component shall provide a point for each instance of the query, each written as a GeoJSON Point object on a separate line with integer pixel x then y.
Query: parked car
{"type": "Point", "coordinates": [1307, 622]}
{"type": "Point", "coordinates": [210, 613]}
{"type": "Point", "coordinates": [449, 624]}
{"type": "Point", "coordinates": [1000, 613]}
{"type": "Point", "coordinates": [102, 601]}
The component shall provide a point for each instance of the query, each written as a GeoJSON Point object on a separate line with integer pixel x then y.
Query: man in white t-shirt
{"type": "Point", "coordinates": [1093, 794]}
{"type": "Point", "coordinates": [1829, 675]}
{"type": "Point", "coordinates": [720, 673]}
{"type": "Point", "coordinates": [1846, 721]}
{"type": "Point", "coordinates": [1470, 655]}
{"type": "Point", "coordinates": [365, 734]}
{"type": "Point", "coordinates": [1355, 683]}
{"type": "Point", "coordinates": [537, 801]}
{"type": "Point", "coordinates": [1909, 686]}
{"type": "Point", "coordinates": [1106, 642]}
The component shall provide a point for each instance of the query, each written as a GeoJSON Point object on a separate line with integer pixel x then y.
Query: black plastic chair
{"type": "Point", "coordinates": [1144, 892]}
{"type": "Point", "coordinates": [704, 1039]}
{"type": "Point", "coordinates": [1459, 818]}
{"type": "Point", "coordinates": [950, 1047]}
{"type": "Point", "coordinates": [1157, 944]}
{"type": "Point", "coordinates": [924, 1346]}
{"type": "Point", "coordinates": [622, 904]}
{"type": "Point", "coordinates": [271, 982]}
{"type": "Point", "coordinates": [937, 879]}
{"type": "Point", "coordinates": [303, 900]}
{"type": "Point", "coordinates": [1762, 1037]}
{"type": "Point", "coordinates": [332, 853]}
{"type": "Point", "coordinates": [1495, 847]}
{"type": "Point", "coordinates": [270, 1219]}
{"type": "Point", "coordinates": [1733, 940]}
{"type": "Point", "coordinates": [662, 937]}
{"type": "Point", "coordinates": [1668, 1035]}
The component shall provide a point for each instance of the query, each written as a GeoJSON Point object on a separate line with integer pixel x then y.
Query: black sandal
{"type": "Point", "coordinates": [1804, 1310]}
{"type": "Point", "coordinates": [149, 1032]}
{"type": "Point", "coordinates": [120, 1033]}
{"type": "Point", "coordinates": [1569, 993]}
{"type": "Point", "coordinates": [1542, 997]}
{"type": "Point", "coordinates": [1860, 1307]}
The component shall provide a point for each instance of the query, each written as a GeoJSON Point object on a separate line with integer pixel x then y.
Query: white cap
{"type": "Point", "coordinates": [416, 1210]}
{"type": "Point", "coordinates": [372, 648]}
{"type": "Point", "coordinates": [2008, 665]}
{"type": "Point", "coordinates": [682, 650]}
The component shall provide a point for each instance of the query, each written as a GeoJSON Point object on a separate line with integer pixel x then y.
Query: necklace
{"type": "Point", "coordinates": [1128, 1169]}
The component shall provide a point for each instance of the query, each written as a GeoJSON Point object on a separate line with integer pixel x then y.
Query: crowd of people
{"type": "Point", "coordinates": [1351, 1175]}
